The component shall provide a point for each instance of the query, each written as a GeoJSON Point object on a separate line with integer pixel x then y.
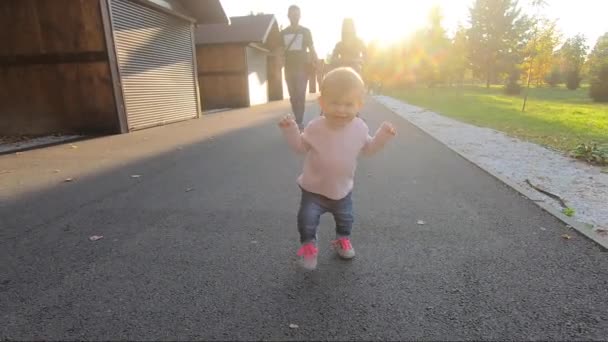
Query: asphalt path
{"type": "Point", "coordinates": [199, 243]}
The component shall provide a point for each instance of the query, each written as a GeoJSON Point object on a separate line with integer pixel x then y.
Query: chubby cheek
{"type": "Point", "coordinates": [350, 115]}
{"type": "Point", "coordinates": [341, 110]}
{"type": "Point", "coordinates": [348, 109]}
{"type": "Point", "coordinates": [356, 108]}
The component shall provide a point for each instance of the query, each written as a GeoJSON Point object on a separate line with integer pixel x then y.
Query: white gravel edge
{"type": "Point", "coordinates": [583, 187]}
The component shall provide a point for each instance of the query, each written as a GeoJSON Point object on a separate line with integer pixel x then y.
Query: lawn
{"type": "Point", "coordinates": [555, 117]}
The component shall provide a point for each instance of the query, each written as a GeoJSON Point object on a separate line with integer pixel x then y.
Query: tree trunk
{"type": "Point", "coordinates": [523, 107]}
{"type": "Point", "coordinates": [488, 74]}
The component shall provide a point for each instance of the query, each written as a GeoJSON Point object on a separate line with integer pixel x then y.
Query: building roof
{"type": "Point", "coordinates": [205, 11]}
{"type": "Point", "coordinates": [199, 11]}
{"type": "Point", "coordinates": [260, 29]}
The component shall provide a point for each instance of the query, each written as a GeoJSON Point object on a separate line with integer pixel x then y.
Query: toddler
{"type": "Point", "coordinates": [331, 144]}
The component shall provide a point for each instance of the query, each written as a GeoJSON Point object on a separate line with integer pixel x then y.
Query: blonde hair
{"type": "Point", "coordinates": [341, 81]}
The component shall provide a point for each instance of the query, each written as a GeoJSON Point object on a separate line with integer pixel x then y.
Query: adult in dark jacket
{"type": "Point", "coordinates": [300, 58]}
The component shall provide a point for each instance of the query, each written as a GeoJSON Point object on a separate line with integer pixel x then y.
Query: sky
{"type": "Point", "coordinates": [390, 20]}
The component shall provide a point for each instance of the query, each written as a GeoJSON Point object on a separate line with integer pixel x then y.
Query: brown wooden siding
{"type": "Point", "coordinates": [229, 57]}
{"type": "Point", "coordinates": [223, 92]}
{"type": "Point", "coordinates": [222, 75]}
{"type": "Point", "coordinates": [54, 73]}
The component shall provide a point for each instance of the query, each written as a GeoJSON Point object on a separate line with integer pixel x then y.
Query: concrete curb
{"type": "Point", "coordinates": [578, 226]}
{"type": "Point", "coordinates": [45, 144]}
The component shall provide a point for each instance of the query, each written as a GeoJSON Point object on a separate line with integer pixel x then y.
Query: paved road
{"type": "Point", "coordinates": [201, 245]}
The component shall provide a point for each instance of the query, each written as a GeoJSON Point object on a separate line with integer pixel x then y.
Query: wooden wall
{"type": "Point", "coordinates": [222, 76]}
{"type": "Point", "coordinates": [54, 72]}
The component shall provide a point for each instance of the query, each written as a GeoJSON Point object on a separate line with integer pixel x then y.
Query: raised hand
{"type": "Point", "coordinates": [389, 128]}
{"type": "Point", "coordinates": [287, 121]}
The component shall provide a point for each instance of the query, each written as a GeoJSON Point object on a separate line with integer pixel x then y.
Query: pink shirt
{"type": "Point", "coordinates": [331, 154]}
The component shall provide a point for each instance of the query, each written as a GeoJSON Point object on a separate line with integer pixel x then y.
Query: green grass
{"type": "Point", "coordinates": [568, 212]}
{"type": "Point", "coordinates": [555, 117]}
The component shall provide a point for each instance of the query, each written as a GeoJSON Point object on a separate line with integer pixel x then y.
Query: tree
{"type": "Point", "coordinates": [598, 69]}
{"type": "Point", "coordinates": [389, 65]}
{"type": "Point", "coordinates": [429, 49]}
{"type": "Point", "coordinates": [572, 55]}
{"type": "Point", "coordinates": [599, 55]}
{"type": "Point", "coordinates": [457, 63]}
{"type": "Point", "coordinates": [497, 29]}
{"type": "Point", "coordinates": [538, 51]}
{"type": "Point", "coordinates": [554, 78]}
{"type": "Point", "coordinates": [374, 71]}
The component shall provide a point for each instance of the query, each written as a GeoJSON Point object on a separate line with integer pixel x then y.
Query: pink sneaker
{"type": "Point", "coordinates": [344, 248]}
{"type": "Point", "coordinates": [309, 253]}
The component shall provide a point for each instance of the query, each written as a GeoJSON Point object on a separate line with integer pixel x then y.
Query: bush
{"type": "Point", "coordinates": [599, 85]}
{"type": "Point", "coordinates": [592, 153]}
{"type": "Point", "coordinates": [512, 87]}
{"type": "Point", "coordinates": [573, 79]}
{"type": "Point", "coordinates": [554, 78]}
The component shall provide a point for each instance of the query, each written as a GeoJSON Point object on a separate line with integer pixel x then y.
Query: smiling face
{"type": "Point", "coordinates": [341, 110]}
{"type": "Point", "coordinates": [341, 97]}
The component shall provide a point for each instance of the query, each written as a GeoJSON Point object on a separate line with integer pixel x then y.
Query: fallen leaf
{"type": "Point", "coordinates": [95, 237]}
{"type": "Point", "coordinates": [68, 180]}
{"type": "Point", "coordinates": [135, 176]}
{"type": "Point", "coordinates": [566, 237]}
{"type": "Point", "coordinates": [420, 222]}
{"type": "Point", "coordinates": [74, 146]}
{"type": "Point", "coordinates": [293, 326]}
{"type": "Point", "coordinates": [602, 231]}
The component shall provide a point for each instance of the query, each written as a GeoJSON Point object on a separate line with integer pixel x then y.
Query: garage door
{"type": "Point", "coordinates": [156, 64]}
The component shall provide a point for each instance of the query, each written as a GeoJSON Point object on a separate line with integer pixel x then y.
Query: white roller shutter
{"type": "Point", "coordinates": [156, 64]}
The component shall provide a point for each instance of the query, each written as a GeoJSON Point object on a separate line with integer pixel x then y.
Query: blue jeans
{"type": "Point", "coordinates": [297, 80]}
{"type": "Point", "coordinates": [312, 206]}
